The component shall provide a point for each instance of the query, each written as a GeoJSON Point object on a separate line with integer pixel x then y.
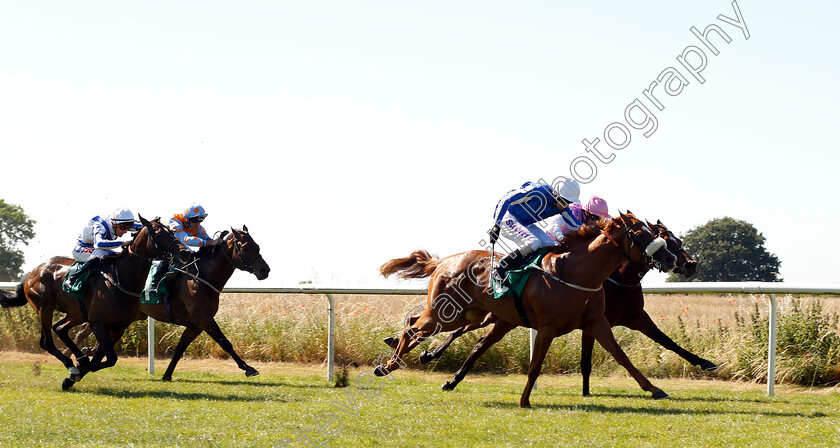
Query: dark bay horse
{"type": "Point", "coordinates": [624, 305]}
{"type": "Point", "coordinates": [564, 296]}
{"type": "Point", "coordinates": [111, 298]}
{"type": "Point", "coordinates": [194, 294]}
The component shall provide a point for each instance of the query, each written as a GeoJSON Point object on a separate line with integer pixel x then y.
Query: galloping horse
{"type": "Point", "coordinates": [194, 294]}
{"type": "Point", "coordinates": [565, 295]}
{"type": "Point", "coordinates": [624, 305]}
{"type": "Point", "coordinates": [110, 301]}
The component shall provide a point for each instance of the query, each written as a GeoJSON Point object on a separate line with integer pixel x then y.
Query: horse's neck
{"type": "Point", "coordinates": [630, 273]}
{"type": "Point", "coordinates": [132, 271]}
{"type": "Point", "coordinates": [594, 264]}
{"type": "Point", "coordinates": [216, 267]}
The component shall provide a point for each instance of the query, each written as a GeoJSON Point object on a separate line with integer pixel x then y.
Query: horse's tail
{"type": "Point", "coordinates": [10, 300]}
{"type": "Point", "coordinates": [419, 264]}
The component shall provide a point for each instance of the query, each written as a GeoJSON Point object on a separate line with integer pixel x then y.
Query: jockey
{"type": "Point", "coordinates": [534, 216]}
{"type": "Point", "coordinates": [99, 238]}
{"type": "Point", "coordinates": [187, 228]}
{"type": "Point", "coordinates": [594, 210]}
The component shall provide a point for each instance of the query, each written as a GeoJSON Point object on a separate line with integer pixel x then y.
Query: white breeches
{"type": "Point", "coordinates": [529, 238]}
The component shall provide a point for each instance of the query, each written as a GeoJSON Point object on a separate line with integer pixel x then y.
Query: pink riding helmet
{"type": "Point", "coordinates": [598, 207]}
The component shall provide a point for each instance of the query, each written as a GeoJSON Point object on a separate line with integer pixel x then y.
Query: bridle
{"type": "Point", "coordinates": [236, 254]}
{"type": "Point", "coordinates": [165, 252]}
{"type": "Point", "coordinates": [657, 243]}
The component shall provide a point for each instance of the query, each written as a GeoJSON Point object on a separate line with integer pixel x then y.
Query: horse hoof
{"type": "Point", "coordinates": [380, 371]}
{"type": "Point", "coordinates": [425, 357]}
{"type": "Point", "coordinates": [166, 378]}
{"type": "Point", "coordinates": [449, 385]}
{"type": "Point", "coordinates": [660, 395]}
{"type": "Point", "coordinates": [525, 404]}
{"type": "Point", "coordinates": [391, 341]}
{"type": "Point", "coordinates": [67, 384]}
{"type": "Point", "coordinates": [250, 371]}
{"type": "Point", "coordinates": [708, 366]}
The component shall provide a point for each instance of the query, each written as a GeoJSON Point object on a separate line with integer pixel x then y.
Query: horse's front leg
{"type": "Point", "coordinates": [599, 327]}
{"type": "Point", "coordinates": [208, 323]}
{"type": "Point", "coordinates": [645, 324]}
{"type": "Point", "coordinates": [542, 342]}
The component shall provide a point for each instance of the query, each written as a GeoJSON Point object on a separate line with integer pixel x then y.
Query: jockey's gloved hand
{"type": "Point", "coordinates": [494, 234]}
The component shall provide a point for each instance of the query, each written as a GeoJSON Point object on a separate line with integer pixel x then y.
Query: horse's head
{"type": "Point", "coordinates": [155, 240]}
{"type": "Point", "coordinates": [644, 246]}
{"type": "Point", "coordinates": [685, 265]}
{"type": "Point", "coordinates": [246, 254]}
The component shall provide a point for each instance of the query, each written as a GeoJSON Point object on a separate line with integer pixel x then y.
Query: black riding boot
{"type": "Point", "coordinates": [160, 273]}
{"type": "Point", "coordinates": [512, 259]}
{"type": "Point", "coordinates": [90, 264]}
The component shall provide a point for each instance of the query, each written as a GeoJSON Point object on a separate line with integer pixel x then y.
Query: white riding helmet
{"type": "Point", "coordinates": [568, 190]}
{"type": "Point", "coordinates": [122, 215]}
{"type": "Point", "coordinates": [195, 211]}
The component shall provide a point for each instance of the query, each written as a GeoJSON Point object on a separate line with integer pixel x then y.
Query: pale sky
{"type": "Point", "coordinates": [344, 134]}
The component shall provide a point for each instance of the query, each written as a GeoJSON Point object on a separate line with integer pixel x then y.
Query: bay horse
{"type": "Point", "coordinates": [194, 294]}
{"type": "Point", "coordinates": [566, 294]}
{"type": "Point", "coordinates": [624, 305]}
{"type": "Point", "coordinates": [111, 298]}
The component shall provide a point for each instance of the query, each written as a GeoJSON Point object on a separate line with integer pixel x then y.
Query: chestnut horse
{"type": "Point", "coordinates": [624, 305]}
{"type": "Point", "coordinates": [565, 295]}
{"type": "Point", "coordinates": [194, 294]}
{"type": "Point", "coordinates": [111, 297]}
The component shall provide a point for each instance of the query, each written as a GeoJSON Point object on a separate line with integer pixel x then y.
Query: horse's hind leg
{"type": "Point", "coordinates": [427, 356]}
{"type": "Point", "coordinates": [189, 335]}
{"type": "Point", "coordinates": [600, 329]}
{"type": "Point", "coordinates": [493, 336]}
{"type": "Point", "coordinates": [423, 328]}
{"type": "Point", "coordinates": [645, 324]}
{"type": "Point", "coordinates": [46, 342]}
{"type": "Point", "coordinates": [62, 329]}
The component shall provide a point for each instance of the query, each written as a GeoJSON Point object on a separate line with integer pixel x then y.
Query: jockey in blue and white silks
{"type": "Point", "coordinates": [100, 237]}
{"type": "Point", "coordinates": [534, 216]}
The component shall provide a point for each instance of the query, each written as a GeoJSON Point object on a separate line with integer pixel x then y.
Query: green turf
{"type": "Point", "coordinates": [125, 407]}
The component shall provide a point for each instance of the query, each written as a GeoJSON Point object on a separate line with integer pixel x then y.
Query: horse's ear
{"type": "Point", "coordinates": [245, 228]}
{"type": "Point", "coordinates": [143, 220]}
{"type": "Point", "coordinates": [235, 233]}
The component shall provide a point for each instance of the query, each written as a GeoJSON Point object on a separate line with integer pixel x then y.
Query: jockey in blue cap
{"type": "Point", "coordinates": [534, 215]}
{"type": "Point", "coordinates": [99, 238]}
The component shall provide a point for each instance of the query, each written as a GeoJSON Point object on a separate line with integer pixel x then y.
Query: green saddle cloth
{"type": "Point", "coordinates": [156, 298]}
{"type": "Point", "coordinates": [515, 280]}
{"type": "Point", "coordinates": [77, 289]}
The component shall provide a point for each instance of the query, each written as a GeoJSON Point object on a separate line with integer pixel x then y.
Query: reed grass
{"type": "Point", "coordinates": [730, 330]}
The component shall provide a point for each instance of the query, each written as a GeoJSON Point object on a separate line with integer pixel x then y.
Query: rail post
{"type": "Point", "coordinates": [331, 340]}
{"type": "Point", "coordinates": [151, 345]}
{"type": "Point", "coordinates": [771, 355]}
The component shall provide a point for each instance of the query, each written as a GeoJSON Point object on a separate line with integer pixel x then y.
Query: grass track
{"type": "Point", "coordinates": [211, 404]}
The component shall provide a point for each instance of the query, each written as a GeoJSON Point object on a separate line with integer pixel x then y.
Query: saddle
{"type": "Point", "coordinates": [516, 278]}
{"type": "Point", "coordinates": [77, 289]}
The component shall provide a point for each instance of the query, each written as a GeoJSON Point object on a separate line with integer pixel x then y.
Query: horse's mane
{"type": "Point", "coordinates": [585, 234]}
